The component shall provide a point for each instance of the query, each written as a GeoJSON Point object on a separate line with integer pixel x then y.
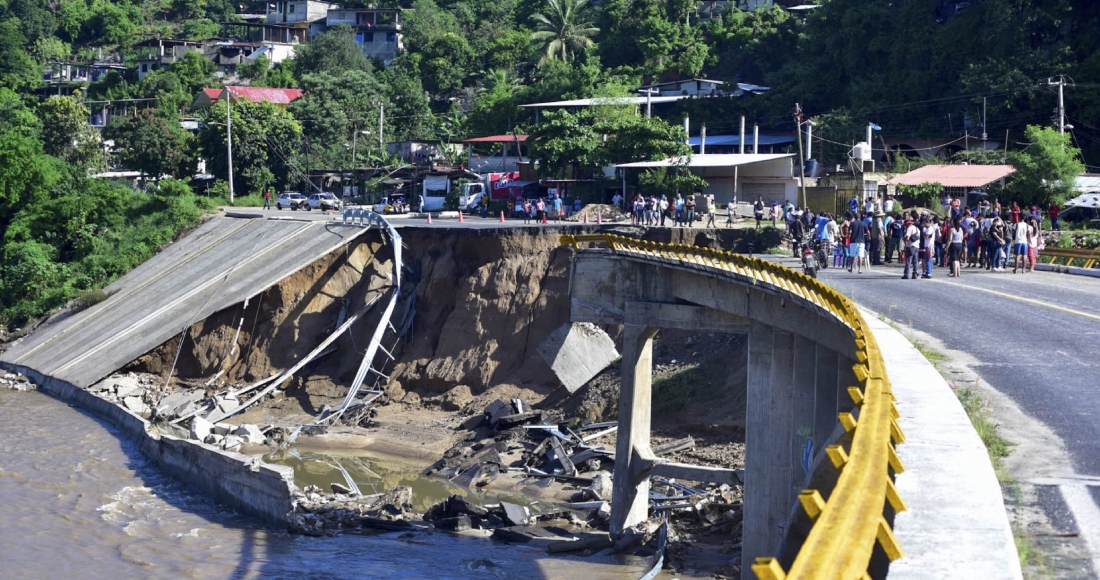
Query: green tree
{"type": "Point", "coordinates": [409, 114]}
{"type": "Point", "coordinates": [565, 145]}
{"type": "Point", "coordinates": [27, 175]}
{"type": "Point", "coordinates": [266, 145]}
{"type": "Point", "coordinates": [641, 139]}
{"type": "Point", "coordinates": [1046, 169]}
{"type": "Point", "coordinates": [341, 114]}
{"type": "Point", "coordinates": [333, 52]}
{"type": "Point", "coordinates": [66, 133]}
{"type": "Point", "coordinates": [149, 143]}
{"type": "Point", "coordinates": [15, 116]}
{"type": "Point", "coordinates": [565, 30]}
{"type": "Point", "coordinates": [18, 71]}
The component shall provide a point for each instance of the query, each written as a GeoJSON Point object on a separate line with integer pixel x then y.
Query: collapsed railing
{"type": "Point", "coordinates": [847, 526]}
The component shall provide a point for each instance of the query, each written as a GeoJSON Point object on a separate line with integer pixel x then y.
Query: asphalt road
{"type": "Point", "coordinates": [1036, 337]}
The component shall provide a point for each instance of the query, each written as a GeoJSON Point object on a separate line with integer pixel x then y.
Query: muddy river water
{"type": "Point", "coordinates": [78, 500]}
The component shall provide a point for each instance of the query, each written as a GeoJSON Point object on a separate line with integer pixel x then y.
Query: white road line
{"type": "Point", "coordinates": [1021, 299]}
{"type": "Point", "coordinates": [1087, 515]}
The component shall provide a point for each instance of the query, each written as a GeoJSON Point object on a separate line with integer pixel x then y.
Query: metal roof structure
{"type": "Point", "coordinates": [710, 160]}
{"type": "Point", "coordinates": [619, 101]}
{"type": "Point", "coordinates": [506, 138]}
{"type": "Point", "coordinates": [954, 175]}
{"type": "Point", "coordinates": [727, 140]}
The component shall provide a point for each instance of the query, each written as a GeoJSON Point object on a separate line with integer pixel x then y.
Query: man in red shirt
{"type": "Point", "coordinates": [1053, 211]}
{"type": "Point", "coordinates": [1015, 213]}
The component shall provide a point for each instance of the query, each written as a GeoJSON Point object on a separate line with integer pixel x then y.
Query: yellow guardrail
{"type": "Point", "coordinates": [1089, 258]}
{"type": "Point", "coordinates": [847, 526]}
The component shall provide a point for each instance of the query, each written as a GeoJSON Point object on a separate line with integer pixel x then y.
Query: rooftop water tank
{"type": "Point", "coordinates": [862, 151]}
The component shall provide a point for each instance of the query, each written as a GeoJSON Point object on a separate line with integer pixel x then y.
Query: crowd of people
{"type": "Point", "coordinates": [682, 211]}
{"type": "Point", "coordinates": [879, 232]}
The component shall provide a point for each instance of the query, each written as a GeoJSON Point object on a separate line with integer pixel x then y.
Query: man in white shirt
{"type": "Point", "coordinates": [618, 200]}
{"type": "Point", "coordinates": [888, 205]}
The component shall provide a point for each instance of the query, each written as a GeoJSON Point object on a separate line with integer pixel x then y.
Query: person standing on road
{"type": "Point", "coordinates": [894, 233]}
{"type": "Point", "coordinates": [997, 235]}
{"type": "Point", "coordinates": [911, 241]}
{"type": "Point", "coordinates": [1034, 243]}
{"type": "Point", "coordinates": [775, 213]}
{"type": "Point", "coordinates": [955, 249]}
{"type": "Point", "coordinates": [679, 210]}
{"type": "Point", "coordinates": [857, 244]}
{"type": "Point", "coordinates": [556, 207]}
{"type": "Point", "coordinates": [689, 210]}
{"type": "Point", "coordinates": [973, 237]}
{"type": "Point", "coordinates": [618, 201]}
{"type": "Point", "coordinates": [929, 232]}
{"type": "Point", "coordinates": [663, 206]}
{"type": "Point", "coordinates": [267, 199]}
{"type": "Point", "coordinates": [527, 213]}
{"type": "Point", "coordinates": [758, 210]}
{"type": "Point", "coordinates": [1021, 236]}
{"type": "Point", "coordinates": [709, 200]}
{"type": "Point", "coordinates": [731, 213]}
{"type": "Point", "coordinates": [877, 233]}
{"type": "Point", "coordinates": [540, 210]}
{"type": "Point", "coordinates": [1054, 211]}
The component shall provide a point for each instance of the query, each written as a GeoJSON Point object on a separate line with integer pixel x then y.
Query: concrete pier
{"type": "Point", "coordinates": [799, 370]}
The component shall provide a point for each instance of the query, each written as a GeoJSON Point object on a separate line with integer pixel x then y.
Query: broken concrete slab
{"type": "Point", "coordinates": [526, 535]}
{"type": "Point", "coordinates": [249, 433]}
{"type": "Point", "coordinates": [224, 428]}
{"type": "Point", "coordinates": [135, 405]}
{"type": "Point", "coordinates": [201, 429]}
{"type": "Point", "coordinates": [577, 352]}
{"type": "Point", "coordinates": [232, 443]}
{"type": "Point", "coordinates": [496, 410]}
{"type": "Point", "coordinates": [126, 386]}
{"type": "Point", "coordinates": [518, 515]}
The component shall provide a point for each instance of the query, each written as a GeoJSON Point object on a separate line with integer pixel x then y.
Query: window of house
{"type": "Point", "coordinates": [290, 8]}
{"type": "Point", "coordinates": [368, 37]}
{"type": "Point", "coordinates": [391, 37]}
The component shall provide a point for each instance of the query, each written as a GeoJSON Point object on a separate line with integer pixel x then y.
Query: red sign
{"type": "Point", "coordinates": [500, 184]}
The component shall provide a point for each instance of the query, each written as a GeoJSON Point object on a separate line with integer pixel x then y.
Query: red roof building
{"type": "Point", "coordinates": [278, 97]}
{"type": "Point", "coordinates": [965, 176]}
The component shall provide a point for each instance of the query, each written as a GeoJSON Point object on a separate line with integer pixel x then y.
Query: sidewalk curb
{"type": "Point", "coordinates": [956, 525]}
{"type": "Point", "coordinates": [1072, 270]}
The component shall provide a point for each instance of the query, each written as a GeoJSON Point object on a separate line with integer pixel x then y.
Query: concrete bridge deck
{"type": "Point", "coordinates": [223, 262]}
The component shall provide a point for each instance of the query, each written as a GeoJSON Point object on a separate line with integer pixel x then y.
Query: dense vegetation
{"type": "Point", "coordinates": [912, 66]}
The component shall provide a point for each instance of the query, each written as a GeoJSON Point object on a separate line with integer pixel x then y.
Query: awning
{"type": "Point", "coordinates": [955, 175]}
{"type": "Point", "coordinates": [710, 160]}
{"type": "Point", "coordinates": [1089, 200]}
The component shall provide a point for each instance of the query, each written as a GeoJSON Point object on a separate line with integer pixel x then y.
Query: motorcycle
{"type": "Point", "coordinates": [809, 262]}
{"type": "Point", "coordinates": [822, 252]}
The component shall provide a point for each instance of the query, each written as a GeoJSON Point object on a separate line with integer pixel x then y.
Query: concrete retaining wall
{"type": "Point", "coordinates": [1093, 272]}
{"type": "Point", "coordinates": [244, 483]}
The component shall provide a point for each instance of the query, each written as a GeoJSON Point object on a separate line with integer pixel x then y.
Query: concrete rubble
{"type": "Point", "coordinates": [16, 382]}
{"type": "Point", "coordinates": [577, 352]}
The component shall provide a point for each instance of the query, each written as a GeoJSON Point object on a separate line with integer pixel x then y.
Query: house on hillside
{"type": "Point", "coordinates": [157, 53]}
{"type": "Point", "coordinates": [690, 87]}
{"type": "Point", "coordinates": [278, 97]}
{"type": "Point", "coordinates": [377, 30]}
{"type": "Point", "coordinates": [309, 15]}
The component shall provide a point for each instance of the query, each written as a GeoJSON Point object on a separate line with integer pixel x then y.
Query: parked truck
{"type": "Point", "coordinates": [437, 187]}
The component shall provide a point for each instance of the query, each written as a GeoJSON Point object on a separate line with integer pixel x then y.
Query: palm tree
{"type": "Point", "coordinates": [498, 77]}
{"type": "Point", "coordinates": [566, 30]}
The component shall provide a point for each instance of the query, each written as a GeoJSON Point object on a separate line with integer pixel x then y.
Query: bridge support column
{"type": "Point", "coordinates": [825, 394]}
{"type": "Point", "coordinates": [633, 458]}
{"type": "Point", "coordinates": [803, 442]}
{"type": "Point", "coordinates": [770, 463]}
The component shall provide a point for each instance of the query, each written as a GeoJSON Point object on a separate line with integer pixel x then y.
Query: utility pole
{"type": "Point", "coordinates": [801, 160]}
{"type": "Point", "coordinates": [1061, 84]}
{"type": "Point", "coordinates": [649, 101]}
{"type": "Point", "coordinates": [381, 121]}
{"type": "Point", "coordinates": [742, 141]}
{"type": "Point", "coordinates": [229, 141]}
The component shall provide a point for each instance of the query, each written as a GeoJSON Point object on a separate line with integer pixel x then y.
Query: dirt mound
{"type": "Point", "coordinates": [607, 213]}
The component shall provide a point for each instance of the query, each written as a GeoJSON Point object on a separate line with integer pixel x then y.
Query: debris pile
{"type": "Point", "coordinates": [227, 436]}
{"type": "Point", "coordinates": [316, 513]}
{"type": "Point", "coordinates": [16, 382]}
